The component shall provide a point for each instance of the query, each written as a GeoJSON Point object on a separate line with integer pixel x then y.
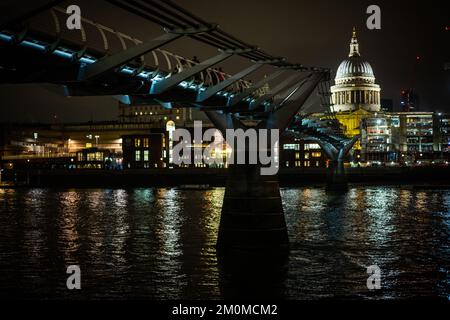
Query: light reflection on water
{"type": "Point", "coordinates": [160, 243]}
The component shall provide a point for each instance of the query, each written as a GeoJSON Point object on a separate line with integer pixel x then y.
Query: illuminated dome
{"type": "Point", "coordinates": [354, 66]}
{"type": "Point", "coordinates": [355, 85]}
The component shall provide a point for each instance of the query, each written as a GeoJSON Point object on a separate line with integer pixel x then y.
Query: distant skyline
{"type": "Point", "coordinates": [409, 51]}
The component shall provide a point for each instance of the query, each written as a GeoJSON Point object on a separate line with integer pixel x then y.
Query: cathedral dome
{"type": "Point", "coordinates": [354, 66]}
{"type": "Point", "coordinates": [355, 86]}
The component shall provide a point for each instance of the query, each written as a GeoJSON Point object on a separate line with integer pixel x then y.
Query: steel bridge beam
{"type": "Point", "coordinates": [170, 82]}
{"type": "Point", "coordinates": [287, 94]}
{"type": "Point", "coordinates": [247, 92]}
{"type": "Point", "coordinates": [273, 92]}
{"type": "Point", "coordinates": [211, 91]}
{"type": "Point", "coordinates": [280, 118]}
{"type": "Point", "coordinates": [116, 60]}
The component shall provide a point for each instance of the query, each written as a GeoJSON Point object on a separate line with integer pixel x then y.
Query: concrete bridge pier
{"type": "Point", "coordinates": [252, 213]}
{"type": "Point", "coordinates": [336, 152]}
{"type": "Point", "coordinates": [252, 217]}
{"type": "Point", "coordinates": [336, 177]}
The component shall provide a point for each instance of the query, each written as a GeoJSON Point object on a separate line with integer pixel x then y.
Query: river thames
{"type": "Point", "coordinates": [160, 244]}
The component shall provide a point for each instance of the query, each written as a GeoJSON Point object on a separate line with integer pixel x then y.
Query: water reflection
{"type": "Point", "coordinates": [160, 244]}
{"type": "Point", "coordinates": [68, 237]}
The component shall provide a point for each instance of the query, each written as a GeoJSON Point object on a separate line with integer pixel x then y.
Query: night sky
{"type": "Point", "coordinates": [409, 51]}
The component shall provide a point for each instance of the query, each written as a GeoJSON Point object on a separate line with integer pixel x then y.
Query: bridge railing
{"type": "Point", "coordinates": [162, 62]}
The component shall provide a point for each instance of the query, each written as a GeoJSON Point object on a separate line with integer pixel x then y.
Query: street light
{"type": "Point", "coordinates": [35, 137]}
{"type": "Point", "coordinates": [441, 138]}
{"type": "Point", "coordinates": [96, 140]}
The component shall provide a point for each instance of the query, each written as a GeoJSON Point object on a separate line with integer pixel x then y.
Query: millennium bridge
{"type": "Point", "coordinates": [98, 60]}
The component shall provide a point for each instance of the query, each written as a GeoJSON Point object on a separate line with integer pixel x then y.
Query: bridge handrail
{"type": "Point", "coordinates": [209, 77]}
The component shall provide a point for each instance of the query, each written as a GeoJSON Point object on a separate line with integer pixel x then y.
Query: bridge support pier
{"type": "Point", "coordinates": [252, 213]}
{"type": "Point", "coordinates": [336, 177]}
{"type": "Point", "coordinates": [337, 151]}
{"type": "Point", "coordinates": [252, 217]}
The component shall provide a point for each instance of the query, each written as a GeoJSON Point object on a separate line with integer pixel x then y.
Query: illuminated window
{"type": "Point", "coordinates": [311, 146]}
{"type": "Point", "coordinates": [316, 154]}
{"type": "Point", "coordinates": [307, 155]}
{"type": "Point", "coordinates": [138, 155]}
{"type": "Point", "coordinates": [306, 164]}
{"type": "Point", "coordinates": [137, 143]}
{"type": "Point", "coordinates": [146, 143]}
{"type": "Point", "coordinates": [297, 155]}
{"type": "Point", "coordinates": [146, 155]}
{"type": "Point", "coordinates": [291, 146]}
{"type": "Point", "coordinates": [94, 156]}
{"type": "Point", "coordinates": [99, 156]}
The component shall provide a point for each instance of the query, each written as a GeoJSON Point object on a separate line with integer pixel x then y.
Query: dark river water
{"type": "Point", "coordinates": [160, 244]}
